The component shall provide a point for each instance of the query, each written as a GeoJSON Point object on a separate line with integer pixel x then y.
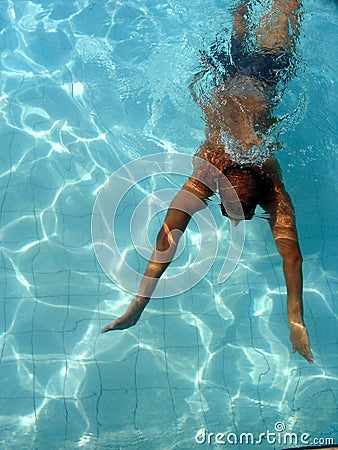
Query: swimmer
{"type": "Point", "coordinates": [238, 118]}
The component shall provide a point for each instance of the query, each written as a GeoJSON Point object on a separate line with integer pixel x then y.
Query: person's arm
{"type": "Point", "coordinates": [181, 209]}
{"type": "Point", "coordinates": [283, 227]}
{"type": "Point", "coordinates": [292, 267]}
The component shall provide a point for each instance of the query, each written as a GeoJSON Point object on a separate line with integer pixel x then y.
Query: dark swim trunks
{"type": "Point", "coordinates": [264, 65]}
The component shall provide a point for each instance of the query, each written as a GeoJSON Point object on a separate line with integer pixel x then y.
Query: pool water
{"type": "Point", "coordinates": [86, 87]}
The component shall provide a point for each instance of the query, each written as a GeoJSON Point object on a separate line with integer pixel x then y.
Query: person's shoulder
{"type": "Point", "coordinates": [272, 168]}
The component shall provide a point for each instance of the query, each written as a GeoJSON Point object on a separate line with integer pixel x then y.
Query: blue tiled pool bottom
{"type": "Point", "coordinates": [216, 358]}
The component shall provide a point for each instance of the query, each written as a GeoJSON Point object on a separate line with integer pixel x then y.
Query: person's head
{"type": "Point", "coordinates": [248, 186]}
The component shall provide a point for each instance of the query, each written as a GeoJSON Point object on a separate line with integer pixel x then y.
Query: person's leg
{"type": "Point", "coordinates": [240, 27]}
{"type": "Point", "coordinates": [279, 26]}
{"type": "Point", "coordinates": [241, 106]}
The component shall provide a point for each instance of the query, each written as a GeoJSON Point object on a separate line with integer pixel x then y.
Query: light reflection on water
{"type": "Point", "coordinates": [85, 88]}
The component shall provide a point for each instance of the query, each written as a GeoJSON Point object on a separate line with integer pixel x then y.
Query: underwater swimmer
{"type": "Point", "coordinates": [238, 117]}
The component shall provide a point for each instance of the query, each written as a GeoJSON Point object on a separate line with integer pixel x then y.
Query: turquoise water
{"type": "Point", "coordinates": [87, 86]}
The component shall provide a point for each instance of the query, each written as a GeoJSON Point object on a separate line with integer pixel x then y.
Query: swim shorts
{"type": "Point", "coordinates": [269, 66]}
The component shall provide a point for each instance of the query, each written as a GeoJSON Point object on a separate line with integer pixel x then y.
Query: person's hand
{"type": "Point", "coordinates": [300, 340]}
{"type": "Point", "coordinates": [129, 318]}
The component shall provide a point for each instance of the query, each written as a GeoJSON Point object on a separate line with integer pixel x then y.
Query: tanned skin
{"type": "Point", "coordinates": [239, 116]}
